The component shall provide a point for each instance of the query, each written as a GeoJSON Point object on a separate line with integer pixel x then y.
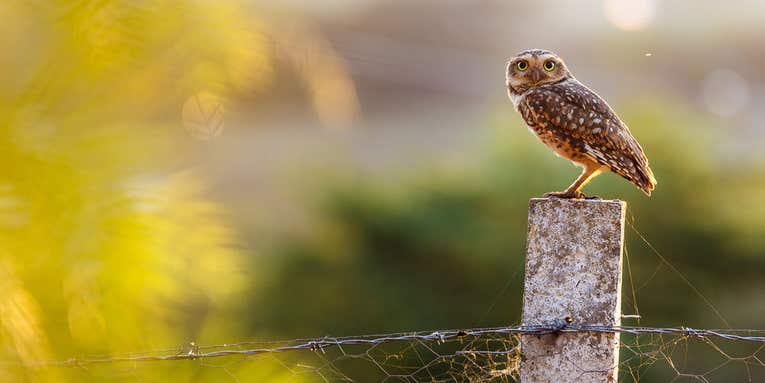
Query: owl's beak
{"type": "Point", "coordinates": [536, 75]}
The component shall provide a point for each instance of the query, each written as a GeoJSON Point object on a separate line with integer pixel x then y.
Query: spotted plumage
{"type": "Point", "coordinates": [574, 121]}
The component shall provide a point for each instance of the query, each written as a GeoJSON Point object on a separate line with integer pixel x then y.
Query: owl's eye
{"type": "Point", "coordinates": [522, 65]}
{"type": "Point", "coordinates": [549, 66]}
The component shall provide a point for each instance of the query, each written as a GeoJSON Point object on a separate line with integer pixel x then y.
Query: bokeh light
{"type": "Point", "coordinates": [725, 93]}
{"type": "Point", "coordinates": [630, 14]}
{"type": "Point", "coordinates": [203, 115]}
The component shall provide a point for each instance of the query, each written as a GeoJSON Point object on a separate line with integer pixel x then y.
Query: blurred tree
{"type": "Point", "coordinates": [445, 249]}
{"type": "Point", "coordinates": [107, 246]}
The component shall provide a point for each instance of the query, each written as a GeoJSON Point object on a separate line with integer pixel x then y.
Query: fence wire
{"type": "Point", "coordinates": [468, 355]}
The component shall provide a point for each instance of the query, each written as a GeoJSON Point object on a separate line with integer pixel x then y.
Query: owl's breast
{"type": "Point", "coordinates": [545, 124]}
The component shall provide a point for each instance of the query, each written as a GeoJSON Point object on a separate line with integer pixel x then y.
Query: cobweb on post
{"type": "Point", "coordinates": [470, 355]}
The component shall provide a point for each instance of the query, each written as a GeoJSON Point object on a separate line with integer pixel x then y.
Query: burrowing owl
{"type": "Point", "coordinates": [574, 121]}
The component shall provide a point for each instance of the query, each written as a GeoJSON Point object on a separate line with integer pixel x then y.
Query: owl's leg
{"type": "Point", "coordinates": [590, 171]}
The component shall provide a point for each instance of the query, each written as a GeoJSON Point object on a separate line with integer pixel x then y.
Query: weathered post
{"type": "Point", "coordinates": [573, 270]}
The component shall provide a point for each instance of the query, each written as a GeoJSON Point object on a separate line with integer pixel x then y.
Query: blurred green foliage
{"type": "Point", "coordinates": [444, 249]}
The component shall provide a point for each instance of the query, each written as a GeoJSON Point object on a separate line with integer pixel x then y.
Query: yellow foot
{"type": "Point", "coordinates": [566, 195]}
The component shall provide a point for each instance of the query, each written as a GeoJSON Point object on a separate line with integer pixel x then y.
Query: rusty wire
{"type": "Point", "coordinates": [193, 351]}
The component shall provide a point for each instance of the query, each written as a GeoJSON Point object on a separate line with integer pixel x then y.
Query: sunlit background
{"type": "Point", "coordinates": [215, 172]}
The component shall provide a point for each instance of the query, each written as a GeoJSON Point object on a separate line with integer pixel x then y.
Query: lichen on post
{"type": "Point", "coordinates": [574, 270]}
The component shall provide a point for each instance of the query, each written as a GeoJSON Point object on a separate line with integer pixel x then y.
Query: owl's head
{"type": "Point", "coordinates": [533, 68]}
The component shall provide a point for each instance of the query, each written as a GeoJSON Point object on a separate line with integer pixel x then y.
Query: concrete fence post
{"type": "Point", "coordinates": [574, 271]}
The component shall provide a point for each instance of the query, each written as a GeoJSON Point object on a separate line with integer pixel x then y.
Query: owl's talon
{"type": "Point", "coordinates": [593, 198]}
{"type": "Point", "coordinates": [566, 195]}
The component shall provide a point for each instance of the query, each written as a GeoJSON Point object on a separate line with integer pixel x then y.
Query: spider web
{"type": "Point", "coordinates": [471, 355]}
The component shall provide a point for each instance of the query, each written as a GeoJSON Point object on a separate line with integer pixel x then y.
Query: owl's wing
{"type": "Point", "coordinates": [579, 116]}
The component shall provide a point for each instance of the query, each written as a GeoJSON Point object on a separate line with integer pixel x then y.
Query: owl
{"type": "Point", "coordinates": [574, 122]}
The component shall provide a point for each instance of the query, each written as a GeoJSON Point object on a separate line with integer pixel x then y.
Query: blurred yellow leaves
{"type": "Point", "coordinates": [21, 323]}
{"type": "Point", "coordinates": [108, 244]}
{"type": "Point", "coordinates": [87, 325]}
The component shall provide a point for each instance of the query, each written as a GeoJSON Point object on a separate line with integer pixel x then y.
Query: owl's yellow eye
{"type": "Point", "coordinates": [549, 66]}
{"type": "Point", "coordinates": [522, 65]}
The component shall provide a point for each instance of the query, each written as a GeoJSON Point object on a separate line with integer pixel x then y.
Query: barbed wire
{"type": "Point", "coordinates": [475, 354]}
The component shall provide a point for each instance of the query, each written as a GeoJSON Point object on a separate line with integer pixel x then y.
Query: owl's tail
{"type": "Point", "coordinates": [648, 181]}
